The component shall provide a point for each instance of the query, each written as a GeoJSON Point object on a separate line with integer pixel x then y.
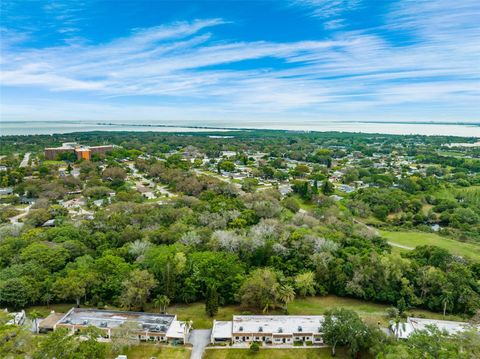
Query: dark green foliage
{"type": "Point", "coordinates": [211, 301]}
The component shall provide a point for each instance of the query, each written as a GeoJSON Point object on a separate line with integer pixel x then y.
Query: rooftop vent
{"type": "Point", "coordinates": [241, 329]}
{"type": "Point", "coordinates": [260, 329]}
{"type": "Point", "coordinates": [85, 322]}
{"type": "Point", "coordinates": [280, 330]}
{"type": "Point", "coordinates": [103, 324]}
{"type": "Point", "coordinates": [300, 328]}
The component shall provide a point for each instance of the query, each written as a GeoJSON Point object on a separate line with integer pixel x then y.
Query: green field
{"type": "Point", "coordinates": [318, 353]}
{"type": "Point", "coordinates": [414, 239]}
{"type": "Point", "coordinates": [147, 351]}
{"type": "Point", "coordinates": [371, 312]}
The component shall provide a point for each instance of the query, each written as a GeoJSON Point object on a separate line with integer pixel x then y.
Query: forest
{"type": "Point", "coordinates": [215, 238]}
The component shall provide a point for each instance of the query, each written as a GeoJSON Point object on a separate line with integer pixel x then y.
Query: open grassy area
{"type": "Point", "coordinates": [54, 163]}
{"type": "Point", "coordinates": [318, 353]}
{"type": "Point", "coordinates": [147, 351]}
{"type": "Point", "coordinates": [414, 239]}
{"type": "Point", "coordinates": [370, 312]}
{"type": "Point", "coordinates": [196, 312]}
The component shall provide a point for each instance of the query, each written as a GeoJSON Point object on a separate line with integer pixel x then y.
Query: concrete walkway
{"type": "Point", "coordinates": [199, 338]}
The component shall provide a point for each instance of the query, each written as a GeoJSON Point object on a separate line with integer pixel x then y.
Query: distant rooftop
{"type": "Point", "coordinates": [415, 324]}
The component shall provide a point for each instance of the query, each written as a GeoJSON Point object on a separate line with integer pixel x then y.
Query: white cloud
{"type": "Point", "coordinates": [184, 67]}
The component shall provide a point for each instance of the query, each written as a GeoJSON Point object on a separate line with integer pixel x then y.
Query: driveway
{"type": "Point", "coordinates": [199, 338]}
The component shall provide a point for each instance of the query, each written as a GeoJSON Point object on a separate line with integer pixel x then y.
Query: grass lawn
{"type": "Point", "coordinates": [54, 163]}
{"type": "Point", "coordinates": [147, 351]}
{"type": "Point", "coordinates": [370, 312]}
{"type": "Point", "coordinates": [196, 312]}
{"type": "Point", "coordinates": [414, 239]}
{"type": "Point", "coordinates": [44, 311]}
{"type": "Point", "coordinates": [317, 353]}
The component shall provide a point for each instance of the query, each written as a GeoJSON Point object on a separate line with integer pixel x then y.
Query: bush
{"type": "Point", "coordinates": [254, 347]}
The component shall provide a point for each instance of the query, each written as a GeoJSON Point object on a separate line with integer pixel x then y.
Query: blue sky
{"type": "Point", "coordinates": [240, 62]}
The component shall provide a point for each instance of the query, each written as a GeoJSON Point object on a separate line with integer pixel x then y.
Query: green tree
{"type": "Point", "coordinates": [124, 336]}
{"type": "Point", "coordinates": [137, 288]}
{"type": "Point", "coordinates": [343, 327]}
{"type": "Point", "coordinates": [328, 188]}
{"type": "Point", "coordinates": [259, 290]}
{"type": "Point", "coordinates": [285, 295]}
{"type": "Point", "coordinates": [15, 340]}
{"type": "Point", "coordinates": [305, 283]}
{"type": "Point", "coordinates": [227, 166]}
{"type": "Point", "coordinates": [211, 301]}
{"type": "Point", "coordinates": [161, 302]}
{"type": "Point", "coordinates": [17, 292]}
{"type": "Point", "coordinates": [60, 344]}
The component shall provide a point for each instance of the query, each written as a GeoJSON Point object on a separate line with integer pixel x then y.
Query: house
{"type": "Point", "coordinates": [346, 188]}
{"type": "Point", "coordinates": [151, 326]}
{"type": "Point", "coordinates": [285, 189]}
{"type": "Point", "coordinates": [6, 191]}
{"type": "Point", "coordinates": [404, 330]}
{"type": "Point", "coordinates": [270, 329]}
{"type": "Point", "coordinates": [49, 223]}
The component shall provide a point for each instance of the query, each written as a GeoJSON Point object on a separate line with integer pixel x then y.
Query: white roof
{"type": "Point", "coordinates": [222, 329]}
{"type": "Point", "coordinates": [176, 330]}
{"type": "Point", "coordinates": [277, 324]}
{"type": "Point", "coordinates": [450, 326]}
{"type": "Point", "coordinates": [415, 324]}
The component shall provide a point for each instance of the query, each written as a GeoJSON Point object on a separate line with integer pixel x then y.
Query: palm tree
{"type": "Point", "coordinates": [446, 298]}
{"type": "Point", "coordinates": [138, 248]}
{"type": "Point", "coordinates": [305, 283]}
{"type": "Point", "coordinates": [285, 295]}
{"type": "Point", "coordinates": [161, 302]}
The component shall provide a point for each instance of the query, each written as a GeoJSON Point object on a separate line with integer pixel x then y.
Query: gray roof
{"type": "Point", "coordinates": [114, 318]}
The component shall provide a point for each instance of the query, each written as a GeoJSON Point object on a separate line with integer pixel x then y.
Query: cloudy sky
{"type": "Point", "coordinates": [240, 62]}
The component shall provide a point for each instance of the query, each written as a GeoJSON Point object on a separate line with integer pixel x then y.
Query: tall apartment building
{"type": "Point", "coordinates": [82, 152]}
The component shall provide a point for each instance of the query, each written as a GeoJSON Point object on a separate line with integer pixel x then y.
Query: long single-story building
{"type": "Point", "coordinates": [404, 330]}
{"type": "Point", "coordinates": [270, 329]}
{"type": "Point", "coordinates": [151, 326]}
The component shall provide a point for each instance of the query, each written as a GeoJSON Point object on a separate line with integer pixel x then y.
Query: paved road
{"type": "Point", "coordinates": [199, 338]}
{"type": "Point", "coordinates": [14, 219]}
{"type": "Point", "coordinates": [24, 162]}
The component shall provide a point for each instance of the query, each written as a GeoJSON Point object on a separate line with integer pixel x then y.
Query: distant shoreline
{"type": "Point", "coordinates": [458, 129]}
